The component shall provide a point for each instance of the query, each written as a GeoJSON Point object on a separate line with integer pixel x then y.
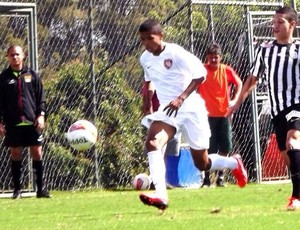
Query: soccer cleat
{"type": "Point", "coordinates": [293, 204]}
{"type": "Point", "coordinates": [169, 186]}
{"type": "Point", "coordinates": [153, 200]}
{"type": "Point", "coordinates": [16, 194]}
{"type": "Point", "coordinates": [43, 194]}
{"type": "Point", "coordinates": [206, 183]}
{"type": "Point", "coordinates": [240, 172]}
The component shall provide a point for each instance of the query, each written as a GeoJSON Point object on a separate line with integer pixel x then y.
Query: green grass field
{"type": "Point", "coordinates": [257, 206]}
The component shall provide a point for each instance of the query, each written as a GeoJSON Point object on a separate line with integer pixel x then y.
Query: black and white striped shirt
{"type": "Point", "coordinates": [280, 66]}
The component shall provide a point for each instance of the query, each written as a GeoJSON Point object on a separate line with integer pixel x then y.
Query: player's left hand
{"type": "Point", "coordinates": [40, 123]}
{"type": "Point", "coordinates": [173, 106]}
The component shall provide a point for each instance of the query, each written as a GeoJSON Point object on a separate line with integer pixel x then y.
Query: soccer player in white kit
{"type": "Point", "coordinates": [176, 74]}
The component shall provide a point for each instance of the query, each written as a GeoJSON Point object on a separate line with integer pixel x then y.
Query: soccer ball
{"type": "Point", "coordinates": [141, 182]}
{"type": "Point", "coordinates": [82, 135]}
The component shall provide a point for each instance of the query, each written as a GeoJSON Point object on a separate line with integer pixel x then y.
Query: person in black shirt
{"type": "Point", "coordinates": [22, 118]}
{"type": "Point", "coordinates": [279, 62]}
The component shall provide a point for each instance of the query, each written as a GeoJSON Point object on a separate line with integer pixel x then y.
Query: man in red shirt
{"type": "Point", "coordinates": [220, 91]}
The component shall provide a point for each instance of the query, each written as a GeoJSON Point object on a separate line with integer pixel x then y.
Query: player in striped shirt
{"type": "Point", "coordinates": [278, 62]}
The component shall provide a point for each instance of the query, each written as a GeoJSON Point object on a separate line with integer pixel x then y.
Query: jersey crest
{"type": "Point", "coordinates": [27, 78]}
{"type": "Point", "coordinates": [168, 63]}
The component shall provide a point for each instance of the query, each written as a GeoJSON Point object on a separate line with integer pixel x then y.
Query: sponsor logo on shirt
{"type": "Point", "coordinates": [294, 54]}
{"type": "Point", "coordinates": [168, 63]}
{"type": "Point", "coordinates": [292, 114]}
{"type": "Point", "coordinates": [40, 138]}
{"type": "Point", "coordinates": [27, 78]}
{"type": "Point", "coordinates": [12, 81]}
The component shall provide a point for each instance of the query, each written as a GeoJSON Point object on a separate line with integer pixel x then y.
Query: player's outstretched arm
{"type": "Point", "coordinates": [174, 105]}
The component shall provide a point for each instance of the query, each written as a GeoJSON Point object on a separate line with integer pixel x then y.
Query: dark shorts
{"type": "Point", "coordinates": [221, 135]}
{"type": "Point", "coordinates": [25, 136]}
{"type": "Point", "coordinates": [282, 126]}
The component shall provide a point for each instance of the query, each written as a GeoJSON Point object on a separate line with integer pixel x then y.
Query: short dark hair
{"type": "Point", "coordinates": [214, 49]}
{"type": "Point", "coordinates": [151, 25]}
{"type": "Point", "coordinates": [290, 13]}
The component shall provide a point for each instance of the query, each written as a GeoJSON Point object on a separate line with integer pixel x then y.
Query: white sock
{"type": "Point", "coordinates": [219, 162]}
{"type": "Point", "coordinates": [158, 172]}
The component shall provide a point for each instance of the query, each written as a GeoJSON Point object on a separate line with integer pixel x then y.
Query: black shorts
{"type": "Point", "coordinates": [282, 126]}
{"type": "Point", "coordinates": [24, 136]}
{"type": "Point", "coordinates": [221, 135]}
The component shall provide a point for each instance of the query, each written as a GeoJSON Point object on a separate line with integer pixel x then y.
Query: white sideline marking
{"type": "Point", "coordinates": [276, 182]}
{"type": "Point", "coordinates": [25, 194]}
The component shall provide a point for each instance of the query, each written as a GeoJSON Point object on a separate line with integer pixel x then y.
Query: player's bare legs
{"type": "Point", "coordinates": [205, 162]}
{"type": "Point", "coordinates": [36, 152]}
{"type": "Point", "coordinates": [158, 135]}
{"type": "Point", "coordinates": [201, 159]}
{"type": "Point", "coordinates": [285, 158]}
{"type": "Point", "coordinates": [293, 154]}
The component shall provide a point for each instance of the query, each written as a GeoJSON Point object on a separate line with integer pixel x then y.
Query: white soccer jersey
{"type": "Point", "coordinates": [171, 72]}
{"type": "Point", "coordinates": [280, 65]}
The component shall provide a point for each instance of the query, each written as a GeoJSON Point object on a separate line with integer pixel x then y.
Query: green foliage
{"type": "Point", "coordinates": [71, 169]}
{"type": "Point", "coordinates": [199, 21]}
{"type": "Point", "coordinates": [120, 133]}
{"type": "Point", "coordinates": [159, 9]}
{"type": "Point", "coordinates": [121, 130]}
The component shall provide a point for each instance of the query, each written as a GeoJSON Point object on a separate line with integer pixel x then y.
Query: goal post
{"type": "Point", "coordinates": [28, 11]}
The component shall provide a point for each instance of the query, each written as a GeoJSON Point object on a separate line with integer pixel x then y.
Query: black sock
{"type": "Point", "coordinates": [38, 169]}
{"type": "Point", "coordinates": [221, 174]}
{"type": "Point", "coordinates": [16, 171]}
{"type": "Point", "coordinates": [294, 156]}
{"type": "Point", "coordinates": [206, 176]}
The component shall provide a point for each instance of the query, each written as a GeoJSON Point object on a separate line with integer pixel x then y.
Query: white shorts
{"type": "Point", "coordinates": [194, 126]}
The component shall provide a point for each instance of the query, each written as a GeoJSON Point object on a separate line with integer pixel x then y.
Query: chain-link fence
{"type": "Point", "coordinates": [88, 59]}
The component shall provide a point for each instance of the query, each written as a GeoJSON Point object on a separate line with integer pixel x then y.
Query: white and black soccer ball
{"type": "Point", "coordinates": [141, 182]}
{"type": "Point", "coordinates": [82, 135]}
